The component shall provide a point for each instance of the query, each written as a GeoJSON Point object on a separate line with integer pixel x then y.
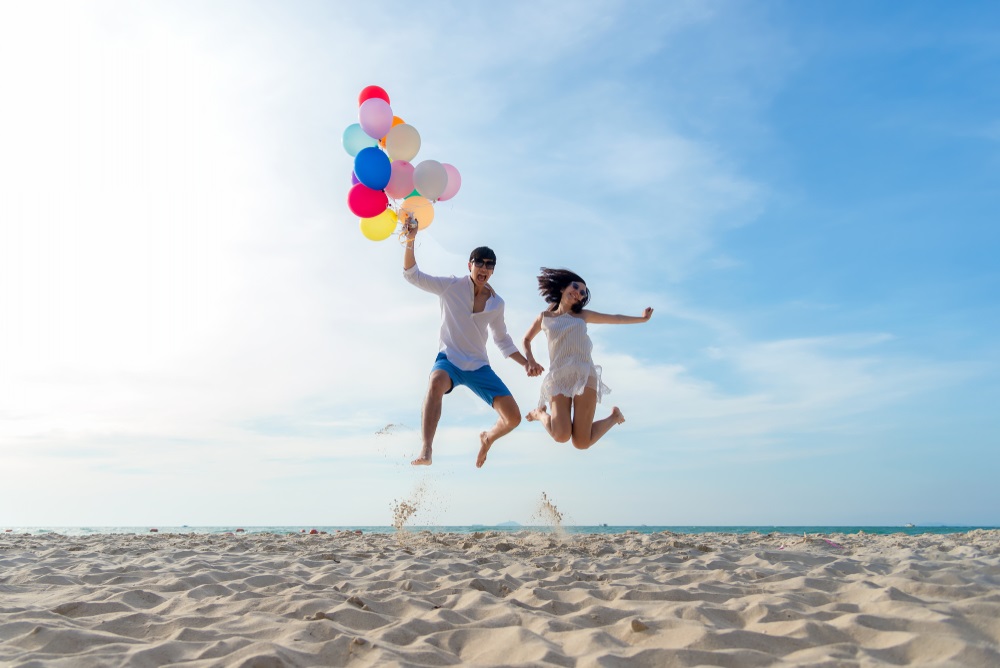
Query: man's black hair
{"type": "Point", "coordinates": [483, 253]}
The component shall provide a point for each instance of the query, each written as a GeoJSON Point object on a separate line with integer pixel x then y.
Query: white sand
{"type": "Point", "coordinates": [500, 599]}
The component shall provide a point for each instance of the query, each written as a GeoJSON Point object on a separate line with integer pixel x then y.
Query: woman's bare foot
{"type": "Point", "coordinates": [423, 460]}
{"type": "Point", "coordinates": [616, 414]}
{"type": "Point", "coordinates": [535, 414]}
{"type": "Point", "coordinates": [484, 448]}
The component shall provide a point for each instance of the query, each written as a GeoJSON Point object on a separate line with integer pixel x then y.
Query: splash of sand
{"type": "Point", "coordinates": [384, 443]}
{"type": "Point", "coordinates": [548, 513]}
{"type": "Point", "coordinates": [550, 516]}
{"type": "Point", "coordinates": [403, 511]}
{"type": "Point", "coordinates": [388, 429]}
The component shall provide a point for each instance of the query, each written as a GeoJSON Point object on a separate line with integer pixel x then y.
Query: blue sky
{"type": "Point", "coordinates": [195, 332]}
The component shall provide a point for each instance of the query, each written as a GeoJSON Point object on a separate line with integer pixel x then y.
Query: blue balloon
{"type": "Point", "coordinates": [373, 168]}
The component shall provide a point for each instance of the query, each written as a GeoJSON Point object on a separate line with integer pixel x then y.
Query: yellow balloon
{"type": "Point", "coordinates": [380, 227]}
{"type": "Point", "coordinates": [420, 208]}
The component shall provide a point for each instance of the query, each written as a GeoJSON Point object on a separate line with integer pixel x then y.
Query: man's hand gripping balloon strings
{"type": "Point", "coordinates": [408, 232]}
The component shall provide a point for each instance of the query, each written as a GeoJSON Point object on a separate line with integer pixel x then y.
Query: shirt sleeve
{"type": "Point", "coordinates": [500, 336]}
{"type": "Point", "coordinates": [434, 284]}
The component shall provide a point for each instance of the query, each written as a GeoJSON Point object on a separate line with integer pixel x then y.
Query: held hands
{"type": "Point", "coordinates": [534, 368]}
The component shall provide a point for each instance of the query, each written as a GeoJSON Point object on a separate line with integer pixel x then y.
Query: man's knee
{"type": "Point", "coordinates": [508, 410]}
{"type": "Point", "coordinates": [439, 383]}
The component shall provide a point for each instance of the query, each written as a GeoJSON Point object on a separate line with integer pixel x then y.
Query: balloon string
{"type": "Point", "coordinates": [408, 223]}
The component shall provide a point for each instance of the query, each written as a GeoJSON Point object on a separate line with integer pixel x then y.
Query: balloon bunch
{"type": "Point", "coordinates": [383, 146]}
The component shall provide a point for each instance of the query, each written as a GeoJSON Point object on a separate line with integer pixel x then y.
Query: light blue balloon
{"type": "Point", "coordinates": [355, 139]}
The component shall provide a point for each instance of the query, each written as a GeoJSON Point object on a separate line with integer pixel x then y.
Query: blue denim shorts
{"type": "Point", "coordinates": [483, 381]}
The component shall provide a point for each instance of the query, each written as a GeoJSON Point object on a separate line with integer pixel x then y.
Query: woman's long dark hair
{"type": "Point", "coordinates": [552, 282]}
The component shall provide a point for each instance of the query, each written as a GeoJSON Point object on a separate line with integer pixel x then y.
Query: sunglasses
{"type": "Point", "coordinates": [583, 291]}
{"type": "Point", "coordinates": [489, 264]}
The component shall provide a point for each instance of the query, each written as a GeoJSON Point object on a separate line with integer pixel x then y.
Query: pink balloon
{"type": "Point", "coordinates": [454, 182]}
{"type": "Point", "coordinates": [375, 117]}
{"type": "Point", "coordinates": [401, 179]}
{"type": "Point", "coordinates": [365, 202]}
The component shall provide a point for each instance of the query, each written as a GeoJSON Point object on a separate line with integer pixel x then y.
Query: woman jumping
{"type": "Point", "coordinates": [572, 388]}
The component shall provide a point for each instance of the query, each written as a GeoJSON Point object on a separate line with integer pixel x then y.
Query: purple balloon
{"type": "Point", "coordinates": [375, 117]}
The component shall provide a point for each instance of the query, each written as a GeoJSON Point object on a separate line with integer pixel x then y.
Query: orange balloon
{"type": "Point", "coordinates": [396, 120]}
{"type": "Point", "coordinates": [418, 207]}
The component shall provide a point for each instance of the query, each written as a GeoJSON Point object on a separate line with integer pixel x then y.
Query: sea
{"type": "Point", "coordinates": [598, 529]}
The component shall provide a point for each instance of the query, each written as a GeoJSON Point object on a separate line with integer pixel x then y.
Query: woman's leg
{"type": "Point", "coordinates": [586, 432]}
{"type": "Point", "coordinates": [558, 424]}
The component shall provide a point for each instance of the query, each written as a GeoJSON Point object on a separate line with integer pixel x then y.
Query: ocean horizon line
{"type": "Point", "coordinates": [222, 529]}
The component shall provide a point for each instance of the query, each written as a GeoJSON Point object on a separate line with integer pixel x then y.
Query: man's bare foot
{"type": "Point", "coordinates": [535, 414]}
{"type": "Point", "coordinates": [617, 415]}
{"type": "Point", "coordinates": [484, 448]}
{"type": "Point", "coordinates": [422, 460]}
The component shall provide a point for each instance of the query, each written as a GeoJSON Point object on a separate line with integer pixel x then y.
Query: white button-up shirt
{"type": "Point", "coordinates": [463, 333]}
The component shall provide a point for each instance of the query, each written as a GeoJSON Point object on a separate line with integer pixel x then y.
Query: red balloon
{"type": "Point", "coordinates": [370, 92]}
{"type": "Point", "coordinates": [365, 202]}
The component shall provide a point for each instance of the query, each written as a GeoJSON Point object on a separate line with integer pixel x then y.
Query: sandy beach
{"type": "Point", "coordinates": [499, 598]}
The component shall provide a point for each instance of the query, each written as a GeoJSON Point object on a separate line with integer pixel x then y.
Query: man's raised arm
{"type": "Point", "coordinates": [409, 259]}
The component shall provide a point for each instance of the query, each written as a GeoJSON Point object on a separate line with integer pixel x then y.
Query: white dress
{"type": "Point", "coordinates": [571, 368]}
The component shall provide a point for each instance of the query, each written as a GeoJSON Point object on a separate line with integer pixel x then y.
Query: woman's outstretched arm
{"type": "Point", "coordinates": [607, 319]}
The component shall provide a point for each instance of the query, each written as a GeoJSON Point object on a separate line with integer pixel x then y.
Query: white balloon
{"type": "Point", "coordinates": [402, 142]}
{"type": "Point", "coordinates": [430, 179]}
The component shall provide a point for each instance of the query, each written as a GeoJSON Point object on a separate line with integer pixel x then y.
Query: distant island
{"type": "Point", "coordinates": [509, 524]}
